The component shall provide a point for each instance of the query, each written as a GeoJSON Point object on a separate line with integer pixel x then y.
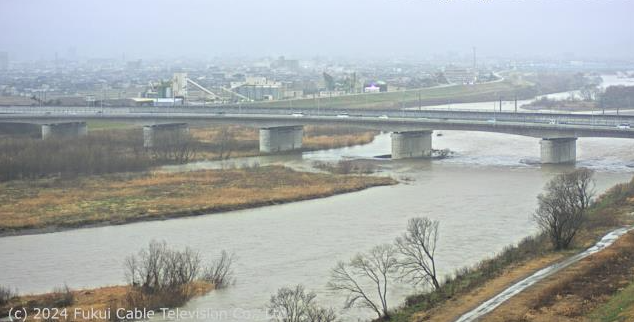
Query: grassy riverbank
{"type": "Point", "coordinates": [425, 96]}
{"type": "Point", "coordinates": [514, 85]}
{"type": "Point", "coordinates": [561, 105]}
{"type": "Point", "coordinates": [469, 287]}
{"type": "Point", "coordinates": [122, 198]}
{"type": "Point", "coordinates": [78, 304]}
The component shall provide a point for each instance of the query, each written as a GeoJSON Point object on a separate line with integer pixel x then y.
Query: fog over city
{"type": "Point", "coordinates": [316, 161]}
{"type": "Point", "coordinates": [37, 29]}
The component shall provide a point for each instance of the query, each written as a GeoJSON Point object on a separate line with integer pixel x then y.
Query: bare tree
{"type": "Point", "coordinates": [376, 268]}
{"type": "Point", "coordinates": [418, 247]}
{"type": "Point", "coordinates": [162, 276]}
{"type": "Point", "coordinates": [220, 272]}
{"type": "Point", "coordinates": [6, 294]}
{"type": "Point", "coordinates": [297, 305]}
{"type": "Point", "coordinates": [177, 146]}
{"type": "Point", "coordinates": [562, 207]}
{"type": "Point", "coordinates": [589, 92]}
{"type": "Point", "coordinates": [159, 268]}
{"type": "Point", "coordinates": [224, 141]}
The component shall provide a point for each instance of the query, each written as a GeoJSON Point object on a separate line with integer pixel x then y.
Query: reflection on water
{"type": "Point", "coordinates": [483, 197]}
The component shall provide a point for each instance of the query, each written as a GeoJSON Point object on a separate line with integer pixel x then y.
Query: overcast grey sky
{"type": "Point", "coordinates": [206, 28]}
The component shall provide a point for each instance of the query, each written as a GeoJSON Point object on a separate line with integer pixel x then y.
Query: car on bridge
{"type": "Point", "coordinates": [298, 114]}
{"type": "Point", "coordinates": [343, 115]}
{"type": "Point", "coordinates": [384, 116]}
{"type": "Point", "coordinates": [624, 126]}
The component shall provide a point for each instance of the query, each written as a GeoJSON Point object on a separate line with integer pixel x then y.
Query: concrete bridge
{"type": "Point", "coordinates": [281, 129]}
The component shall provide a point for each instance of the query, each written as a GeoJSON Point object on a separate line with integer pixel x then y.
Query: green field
{"type": "Point", "coordinates": [410, 98]}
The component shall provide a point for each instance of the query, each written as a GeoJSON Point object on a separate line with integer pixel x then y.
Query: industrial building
{"type": "Point", "coordinates": [458, 75]}
{"type": "Point", "coordinates": [259, 88]}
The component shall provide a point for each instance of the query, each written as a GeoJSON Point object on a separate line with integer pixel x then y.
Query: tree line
{"type": "Point", "coordinates": [96, 153]}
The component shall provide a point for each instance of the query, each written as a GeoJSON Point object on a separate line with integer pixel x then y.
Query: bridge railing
{"type": "Point", "coordinates": [474, 115]}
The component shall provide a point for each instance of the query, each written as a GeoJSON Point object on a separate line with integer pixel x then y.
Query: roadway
{"type": "Point", "coordinates": [541, 125]}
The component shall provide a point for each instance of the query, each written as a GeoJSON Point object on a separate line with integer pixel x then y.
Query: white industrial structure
{"type": "Point", "coordinates": [175, 92]}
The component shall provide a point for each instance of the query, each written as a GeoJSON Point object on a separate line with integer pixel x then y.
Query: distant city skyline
{"type": "Point", "coordinates": [41, 29]}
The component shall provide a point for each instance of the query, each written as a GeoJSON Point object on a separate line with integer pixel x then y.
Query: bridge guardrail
{"type": "Point", "coordinates": [552, 118]}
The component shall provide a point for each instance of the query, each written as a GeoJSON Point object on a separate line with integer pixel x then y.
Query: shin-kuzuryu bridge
{"type": "Point", "coordinates": [282, 129]}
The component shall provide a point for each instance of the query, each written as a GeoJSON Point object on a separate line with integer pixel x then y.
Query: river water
{"type": "Point", "coordinates": [483, 196]}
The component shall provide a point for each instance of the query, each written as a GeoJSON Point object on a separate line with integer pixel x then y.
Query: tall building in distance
{"type": "Point", "coordinates": [4, 60]}
{"type": "Point", "coordinates": [287, 64]}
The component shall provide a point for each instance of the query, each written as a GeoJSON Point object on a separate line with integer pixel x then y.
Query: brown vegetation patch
{"type": "Point", "coordinates": [459, 305]}
{"type": "Point", "coordinates": [146, 196]}
{"type": "Point", "coordinates": [99, 299]}
{"type": "Point", "coordinates": [574, 292]}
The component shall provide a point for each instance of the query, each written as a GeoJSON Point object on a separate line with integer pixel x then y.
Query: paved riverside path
{"type": "Point", "coordinates": [520, 286]}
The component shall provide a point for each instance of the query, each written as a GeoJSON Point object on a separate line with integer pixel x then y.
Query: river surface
{"type": "Point", "coordinates": [483, 196]}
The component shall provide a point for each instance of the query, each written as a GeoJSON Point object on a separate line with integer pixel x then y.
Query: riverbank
{"type": "Point", "coordinates": [513, 86]}
{"type": "Point", "coordinates": [106, 302]}
{"type": "Point", "coordinates": [469, 287]}
{"type": "Point", "coordinates": [574, 293]}
{"type": "Point", "coordinates": [53, 204]}
{"type": "Point", "coordinates": [561, 105]}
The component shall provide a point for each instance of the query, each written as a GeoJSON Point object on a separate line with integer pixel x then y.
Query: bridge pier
{"type": "Point", "coordinates": [558, 150]}
{"type": "Point", "coordinates": [281, 138]}
{"type": "Point", "coordinates": [411, 144]}
{"type": "Point", "coordinates": [64, 130]}
{"type": "Point", "coordinates": [166, 133]}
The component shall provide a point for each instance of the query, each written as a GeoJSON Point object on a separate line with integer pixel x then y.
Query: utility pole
{"type": "Point", "coordinates": [515, 103]}
{"type": "Point", "coordinates": [500, 104]}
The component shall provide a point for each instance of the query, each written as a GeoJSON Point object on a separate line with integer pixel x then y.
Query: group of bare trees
{"type": "Point", "coordinates": [562, 207]}
{"type": "Point", "coordinates": [366, 278]}
{"type": "Point", "coordinates": [22, 158]}
{"type": "Point", "coordinates": [297, 305]}
{"type": "Point", "coordinates": [174, 146]}
{"type": "Point", "coordinates": [161, 275]}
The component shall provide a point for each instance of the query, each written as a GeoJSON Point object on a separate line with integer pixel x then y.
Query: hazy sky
{"type": "Point", "coordinates": [205, 28]}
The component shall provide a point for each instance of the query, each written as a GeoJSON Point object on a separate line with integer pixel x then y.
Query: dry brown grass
{"type": "Point", "coordinates": [148, 196]}
{"type": "Point", "coordinates": [455, 307]}
{"type": "Point", "coordinates": [99, 299]}
{"type": "Point", "coordinates": [614, 208]}
{"type": "Point", "coordinates": [245, 141]}
{"type": "Point", "coordinates": [576, 291]}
